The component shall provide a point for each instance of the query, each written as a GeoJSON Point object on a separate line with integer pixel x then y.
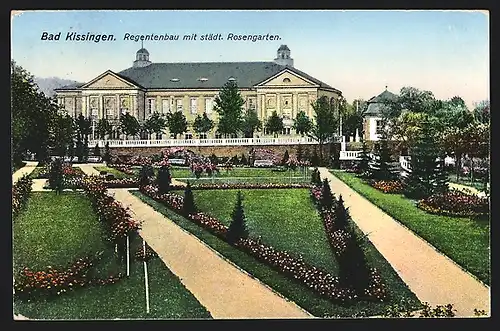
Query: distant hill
{"type": "Point", "coordinates": [47, 85]}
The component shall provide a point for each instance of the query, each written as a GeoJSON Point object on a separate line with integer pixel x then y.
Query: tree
{"type": "Point", "coordinates": [32, 118]}
{"type": "Point", "coordinates": [482, 112]}
{"type": "Point", "coordinates": [229, 105]}
{"type": "Point", "coordinates": [251, 123]}
{"type": "Point", "coordinates": [129, 125]}
{"type": "Point", "coordinates": [316, 178]}
{"type": "Point", "coordinates": [354, 271]}
{"type": "Point", "coordinates": [341, 214]}
{"type": "Point", "coordinates": [202, 124]}
{"type": "Point", "coordinates": [237, 229]}
{"type": "Point", "coordinates": [425, 166]}
{"type": "Point", "coordinates": [405, 128]}
{"type": "Point", "coordinates": [302, 123]}
{"type": "Point", "coordinates": [104, 128]}
{"type": "Point", "coordinates": [325, 123]}
{"type": "Point", "coordinates": [145, 174]}
{"type": "Point", "coordinates": [97, 150]}
{"type": "Point", "coordinates": [56, 179]}
{"type": "Point", "coordinates": [364, 160]}
{"type": "Point", "coordinates": [285, 158]}
{"type": "Point", "coordinates": [243, 160]}
{"type": "Point", "coordinates": [352, 117]}
{"type": "Point", "coordinates": [300, 153]}
{"type": "Point", "coordinates": [83, 130]}
{"type": "Point", "coordinates": [327, 198]}
{"type": "Point", "coordinates": [62, 134]}
{"type": "Point", "coordinates": [154, 124]}
{"type": "Point", "coordinates": [382, 168]}
{"type": "Point", "coordinates": [188, 206]}
{"type": "Point", "coordinates": [107, 155]}
{"type": "Point", "coordinates": [163, 180]}
{"type": "Point", "coordinates": [177, 123]}
{"type": "Point", "coordinates": [274, 124]}
{"type": "Point", "coordinates": [315, 160]}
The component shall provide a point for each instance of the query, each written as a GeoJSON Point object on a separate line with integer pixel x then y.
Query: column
{"type": "Point", "coordinates": [118, 108]}
{"type": "Point", "coordinates": [101, 107]}
{"type": "Point", "coordinates": [158, 106]}
{"type": "Point", "coordinates": [295, 105]}
{"type": "Point", "coordinates": [135, 108]}
{"type": "Point", "coordinates": [278, 103]}
{"type": "Point", "coordinates": [75, 108]}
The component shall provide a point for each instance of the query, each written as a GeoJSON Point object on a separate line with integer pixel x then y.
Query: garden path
{"type": "Point", "coordinates": [88, 168]}
{"type": "Point", "coordinates": [26, 170]}
{"type": "Point", "coordinates": [225, 290]}
{"type": "Point", "coordinates": [433, 277]}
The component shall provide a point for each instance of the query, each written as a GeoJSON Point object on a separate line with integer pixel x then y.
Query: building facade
{"type": "Point", "coordinates": [149, 87]}
{"type": "Point", "coordinates": [372, 122]}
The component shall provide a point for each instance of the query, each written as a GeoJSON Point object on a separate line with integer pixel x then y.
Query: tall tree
{"type": "Point", "coordinates": [229, 104]}
{"type": "Point", "coordinates": [62, 134]}
{"type": "Point", "coordinates": [302, 123]}
{"type": "Point", "coordinates": [364, 160]}
{"type": "Point", "coordinates": [251, 123]}
{"type": "Point", "coordinates": [129, 125]}
{"type": "Point", "coordinates": [83, 130]}
{"type": "Point", "coordinates": [325, 123]}
{"type": "Point", "coordinates": [203, 124]}
{"type": "Point", "coordinates": [188, 207]}
{"type": "Point", "coordinates": [482, 112]}
{"type": "Point", "coordinates": [237, 229]}
{"type": "Point", "coordinates": [177, 123]}
{"type": "Point", "coordinates": [104, 128]}
{"type": "Point", "coordinates": [425, 165]}
{"type": "Point", "coordinates": [154, 124]}
{"type": "Point", "coordinates": [352, 117]}
{"type": "Point", "coordinates": [32, 117]}
{"type": "Point", "coordinates": [163, 179]}
{"type": "Point", "coordinates": [383, 168]}
{"type": "Point", "coordinates": [274, 124]}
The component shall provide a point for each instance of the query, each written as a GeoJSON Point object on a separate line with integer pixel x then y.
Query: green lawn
{"type": "Point", "coordinates": [477, 184]}
{"type": "Point", "coordinates": [117, 173]}
{"type": "Point", "coordinates": [55, 230]}
{"type": "Point", "coordinates": [292, 224]}
{"type": "Point", "coordinates": [465, 241]}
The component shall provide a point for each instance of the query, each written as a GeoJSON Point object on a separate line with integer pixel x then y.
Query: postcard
{"type": "Point", "coordinates": [251, 164]}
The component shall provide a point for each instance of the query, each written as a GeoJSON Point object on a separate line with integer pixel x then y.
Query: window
{"type": "Point", "coordinates": [179, 104]}
{"type": "Point", "coordinates": [151, 106]}
{"type": "Point", "coordinates": [188, 136]}
{"type": "Point", "coordinates": [378, 126]}
{"type": "Point", "coordinates": [286, 80]}
{"type": "Point", "coordinates": [286, 131]}
{"type": "Point", "coordinates": [165, 106]}
{"type": "Point", "coordinates": [203, 136]}
{"type": "Point", "coordinates": [123, 106]}
{"type": "Point", "coordinates": [172, 136]}
{"type": "Point", "coordinates": [193, 106]}
{"type": "Point", "coordinates": [218, 135]}
{"type": "Point", "coordinates": [251, 104]}
{"type": "Point", "coordinates": [109, 107]}
{"type": "Point", "coordinates": [208, 105]}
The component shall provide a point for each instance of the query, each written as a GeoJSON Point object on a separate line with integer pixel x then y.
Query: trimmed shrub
{"type": "Point", "coordinates": [163, 179]}
{"type": "Point", "coordinates": [237, 229]}
{"type": "Point", "coordinates": [188, 206]}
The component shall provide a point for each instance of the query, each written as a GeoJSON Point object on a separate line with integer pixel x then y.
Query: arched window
{"type": "Point", "coordinates": [286, 80]}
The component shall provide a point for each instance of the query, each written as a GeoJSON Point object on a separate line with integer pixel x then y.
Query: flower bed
{"type": "Point", "coordinates": [110, 212]}
{"type": "Point", "coordinates": [20, 193]}
{"type": "Point", "coordinates": [125, 168]}
{"type": "Point", "coordinates": [52, 282]}
{"type": "Point", "coordinates": [145, 255]}
{"type": "Point", "coordinates": [295, 268]}
{"type": "Point", "coordinates": [340, 239]}
{"type": "Point", "coordinates": [387, 186]}
{"type": "Point", "coordinates": [455, 203]}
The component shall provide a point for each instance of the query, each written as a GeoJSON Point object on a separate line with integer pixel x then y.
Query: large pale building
{"type": "Point", "coordinates": [149, 87]}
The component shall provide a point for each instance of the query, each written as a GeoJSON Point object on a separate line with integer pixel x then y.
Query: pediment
{"type": "Point", "coordinates": [109, 80]}
{"type": "Point", "coordinates": [287, 78]}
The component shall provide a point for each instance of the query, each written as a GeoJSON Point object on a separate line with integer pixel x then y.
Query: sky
{"type": "Point", "coordinates": [357, 52]}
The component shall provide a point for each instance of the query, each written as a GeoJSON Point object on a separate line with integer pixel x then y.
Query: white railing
{"type": "Point", "coordinates": [204, 142]}
{"type": "Point", "coordinates": [350, 155]}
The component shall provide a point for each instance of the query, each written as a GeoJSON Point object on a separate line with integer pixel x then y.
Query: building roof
{"type": "Point", "coordinates": [376, 103]}
{"type": "Point", "coordinates": [283, 48]}
{"type": "Point", "coordinates": [205, 75]}
{"type": "Point", "coordinates": [143, 50]}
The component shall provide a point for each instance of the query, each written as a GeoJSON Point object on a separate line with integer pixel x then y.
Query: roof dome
{"type": "Point", "coordinates": [143, 50]}
{"type": "Point", "coordinates": [283, 48]}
